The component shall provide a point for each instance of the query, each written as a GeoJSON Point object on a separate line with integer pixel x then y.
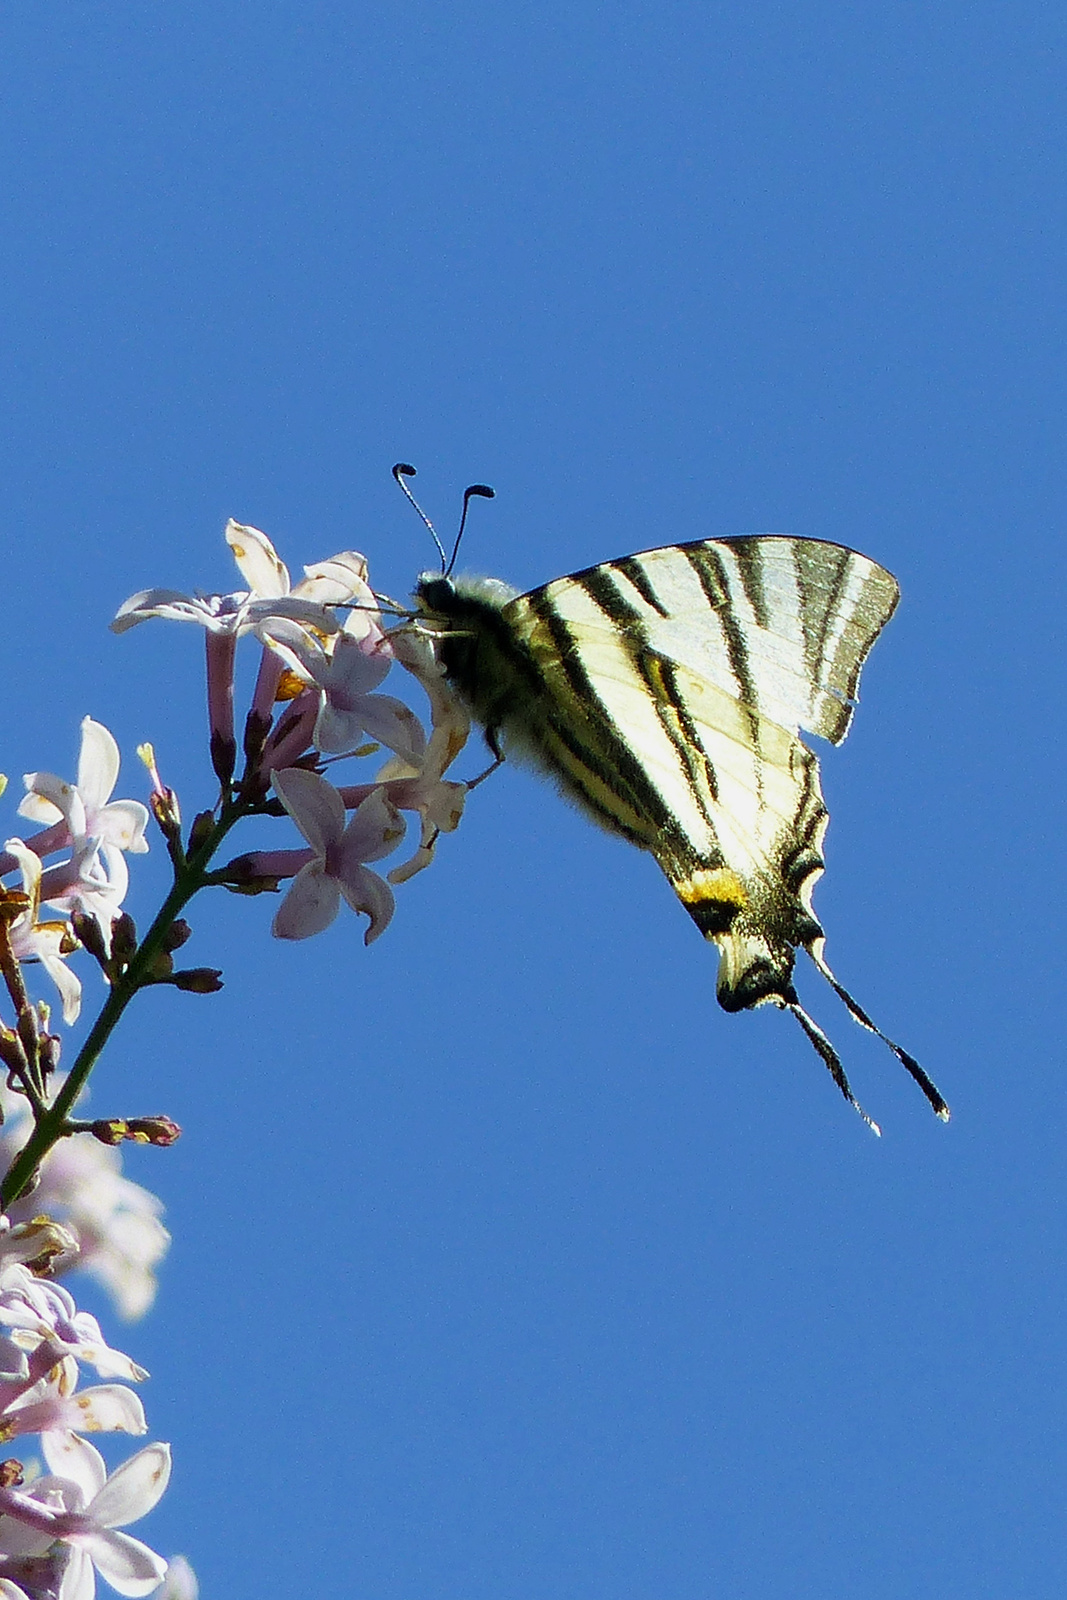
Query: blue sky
{"type": "Point", "coordinates": [506, 1265]}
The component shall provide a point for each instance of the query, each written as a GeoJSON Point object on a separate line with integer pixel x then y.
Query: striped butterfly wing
{"type": "Point", "coordinates": [681, 677]}
{"type": "Point", "coordinates": [677, 682]}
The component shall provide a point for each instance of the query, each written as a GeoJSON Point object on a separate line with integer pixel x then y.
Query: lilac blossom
{"type": "Point", "coordinates": [334, 866]}
{"type": "Point", "coordinates": [345, 674]}
{"type": "Point", "coordinates": [339, 580]}
{"type": "Point", "coordinates": [36, 1311]}
{"type": "Point", "coordinates": [420, 785]}
{"type": "Point", "coordinates": [86, 806]}
{"type": "Point", "coordinates": [71, 1516]}
{"type": "Point", "coordinates": [82, 817]}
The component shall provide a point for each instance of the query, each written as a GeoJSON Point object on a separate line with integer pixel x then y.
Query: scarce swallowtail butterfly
{"type": "Point", "coordinates": [664, 693]}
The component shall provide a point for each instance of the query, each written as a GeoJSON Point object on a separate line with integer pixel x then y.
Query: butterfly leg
{"type": "Point", "coordinates": [498, 759]}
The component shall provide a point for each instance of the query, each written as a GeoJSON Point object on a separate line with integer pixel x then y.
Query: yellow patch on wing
{"type": "Point", "coordinates": [719, 884]}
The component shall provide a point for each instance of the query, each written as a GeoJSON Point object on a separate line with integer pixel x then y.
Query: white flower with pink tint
{"type": "Point", "coordinates": [418, 783]}
{"type": "Point", "coordinates": [340, 580]}
{"type": "Point", "coordinates": [86, 806]}
{"type": "Point", "coordinates": [98, 830]}
{"type": "Point", "coordinates": [345, 674]}
{"type": "Point", "coordinates": [37, 1311]}
{"type": "Point", "coordinates": [80, 1508]}
{"type": "Point", "coordinates": [335, 867]}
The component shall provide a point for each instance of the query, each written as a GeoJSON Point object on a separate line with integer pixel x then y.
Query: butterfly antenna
{"type": "Point", "coordinates": [401, 472]}
{"type": "Point", "coordinates": [832, 1059]}
{"type": "Point", "coordinates": [485, 493]}
{"type": "Point", "coordinates": [925, 1082]}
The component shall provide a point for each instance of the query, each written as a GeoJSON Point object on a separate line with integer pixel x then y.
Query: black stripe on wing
{"type": "Point", "coordinates": [603, 755]}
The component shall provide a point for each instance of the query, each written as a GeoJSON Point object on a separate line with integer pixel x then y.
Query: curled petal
{"type": "Point", "coordinates": [50, 799]}
{"type": "Point", "coordinates": [158, 603]}
{"type": "Point", "coordinates": [341, 578]}
{"type": "Point", "coordinates": [261, 567]}
{"type": "Point", "coordinates": [122, 824]}
{"type": "Point", "coordinates": [98, 764]}
{"type": "Point", "coordinates": [366, 892]}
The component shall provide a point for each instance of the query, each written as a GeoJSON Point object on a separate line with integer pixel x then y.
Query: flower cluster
{"type": "Point", "coordinates": [326, 652]}
{"type": "Point", "coordinates": [91, 832]}
{"type": "Point", "coordinates": [58, 1529]}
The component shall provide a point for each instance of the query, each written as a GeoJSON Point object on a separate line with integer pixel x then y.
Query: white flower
{"type": "Point", "coordinates": [98, 829]}
{"type": "Point", "coordinates": [341, 579]}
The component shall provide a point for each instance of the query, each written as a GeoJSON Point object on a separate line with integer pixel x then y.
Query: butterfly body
{"type": "Point", "coordinates": [664, 693]}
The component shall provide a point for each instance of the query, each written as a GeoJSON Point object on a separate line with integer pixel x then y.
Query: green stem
{"type": "Point", "coordinates": [52, 1123]}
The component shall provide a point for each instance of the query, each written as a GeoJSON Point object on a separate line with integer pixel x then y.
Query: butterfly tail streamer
{"type": "Point", "coordinates": [831, 1058]}
{"type": "Point", "coordinates": [908, 1061]}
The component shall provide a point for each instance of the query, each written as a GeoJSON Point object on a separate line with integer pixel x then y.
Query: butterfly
{"type": "Point", "coordinates": [665, 693]}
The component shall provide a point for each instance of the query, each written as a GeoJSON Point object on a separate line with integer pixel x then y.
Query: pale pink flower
{"type": "Point", "coordinates": [418, 784]}
{"type": "Point", "coordinates": [98, 830]}
{"type": "Point", "coordinates": [335, 867]}
{"type": "Point", "coordinates": [345, 675]}
{"type": "Point", "coordinates": [79, 1507]}
{"type": "Point", "coordinates": [86, 806]}
{"type": "Point", "coordinates": [36, 1311]}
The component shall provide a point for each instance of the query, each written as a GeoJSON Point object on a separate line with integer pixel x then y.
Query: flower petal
{"type": "Point", "coordinates": [69, 1456]}
{"type": "Point", "coordinates": [312, 903]}
{"type": "Point", "coordinates": [157, 603]}
{"type": "Point", "coordinates": [261, 567]}
{"type": "Point", "coordinates": [127, 1564]}
{"type": "Point", "coordinates": [98, 764]}
{"type": "Point", "coordinates": [110, 1408]}
{"type": "Point", "coordinates": [366, 892]}
{"type": "Point", "coordinates": [122, 824]}
{"type": "Point", "coordinates": [134, 1488]}
{"type": "Point", "coordinates": [314, 805]}
{"type": "Point", "coordinates": [342, 577]}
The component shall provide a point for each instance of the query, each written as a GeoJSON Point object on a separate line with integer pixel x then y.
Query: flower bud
{"type": "Point", "coordinates": [198, 980]}
{"type": "Point", "coordinates": [177, 934]}
{"type": "Point", "coordinates": [161, 1131]}
{"type": "Point", "coordinates": [202, 829]}
{"type": "Point", "coordinates": [109, 1130]}
{"type": "Point", "coordinates": [87, 930]}
{"type": "Point", "coordinates": [160, 969]}
{"type": "Point", "coordinates": [123, 938]}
